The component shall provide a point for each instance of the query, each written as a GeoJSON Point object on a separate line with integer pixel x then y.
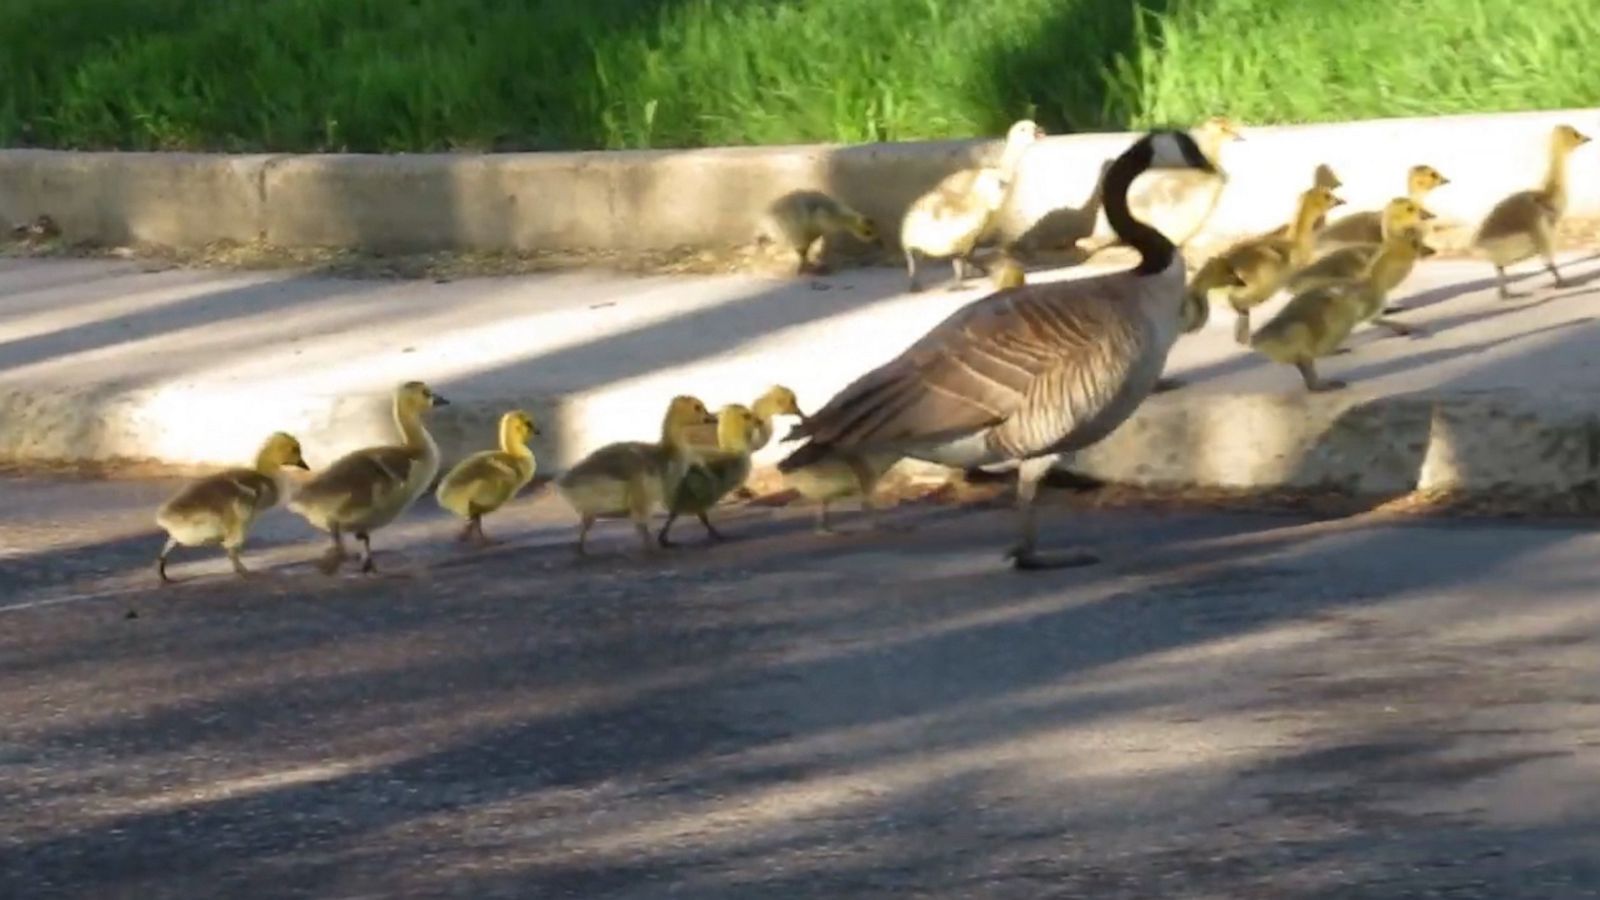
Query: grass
{"type": "Point", "coordinates": [412, 75]}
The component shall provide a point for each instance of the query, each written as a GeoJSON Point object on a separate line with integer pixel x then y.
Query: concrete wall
{"type": "Point", "coordinates": [667, 199]}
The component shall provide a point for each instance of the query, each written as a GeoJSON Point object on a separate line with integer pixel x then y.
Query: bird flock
{"type": "Point", "coordinates": [1014, 380]}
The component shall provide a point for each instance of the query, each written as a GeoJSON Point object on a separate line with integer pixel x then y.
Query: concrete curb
{"type": "Point", "coordinates": [660, 200]}
{"type": "Point", "coordinates": [1466, 441]}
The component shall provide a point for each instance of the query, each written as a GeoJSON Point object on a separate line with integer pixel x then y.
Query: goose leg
{"type": "Point", "coordinates": [161, 561]}
{"type": "Point", "coordinates": [1025, 555]}
{"type": "Point", "coordinates": [1314, 383]}
{"type": "Point", "coordinates": [367, 566]}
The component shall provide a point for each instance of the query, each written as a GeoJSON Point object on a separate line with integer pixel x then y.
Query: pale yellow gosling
{"type": "Point", "coordinates": [367, 489]}
{"type": "Point", "coordinates": [948, 221]}
{"type": "Point", "coordinates": [1353, 260]}
{"type": "Point", "coordinates": [485, 481]}
{"type": "Point", "coordinates": [1366, 228]}
{"type": "Point", "coordinates": [1251, 271]}
{"type": "Point", "coordinates": [775, 401]}
{"type": "Point", "coordinates": [220, 508]}
{"type": "Point", "coordinates": [1322, 177]}
{"type": "Point", "coordinates": [1179, 202]}
{"type": "Point", "coordinates": [698, 486]}
{"type": "Point", "coordinates": [625, 479]}
{"type": "Point", "coordinates": [840, 476]}
{"type": "Point", "coordinates": [1524, 224]}
{"type": "Point", "coordinates": [802, 219]}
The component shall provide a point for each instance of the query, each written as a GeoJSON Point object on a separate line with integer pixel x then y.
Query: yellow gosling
{"type": "Point", "coordinates": [219, 508]}
{"type": "Point", "coordinates": [486, 480]}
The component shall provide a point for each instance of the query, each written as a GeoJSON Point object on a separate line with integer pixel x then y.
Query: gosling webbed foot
{"type": "Point", "coordinates": [1328, 384]}
{"type": "Point", "coordinates": [1030, 559]}
{"type": "Point", "coordinates": [1167, 384]}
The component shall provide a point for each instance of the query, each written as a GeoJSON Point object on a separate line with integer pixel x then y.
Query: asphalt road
{"type": "Point", "coordinates": [1230, 706]}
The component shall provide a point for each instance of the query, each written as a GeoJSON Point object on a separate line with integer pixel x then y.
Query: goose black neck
{"type": "Point", "coordinates": [1155, 251]}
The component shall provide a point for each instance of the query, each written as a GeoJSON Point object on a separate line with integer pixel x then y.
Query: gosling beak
{"type": "Point", "coordinates": [1338, 201]}
{"type": "Point", "coordinates": [301, 464]}
{"type": "Point", "coordinates": [1583, 139]}
{"type": "Point", "coordinates": [440, 401]}
{"type": "Point", "coordinates": [1426, 215]}
{"type": "Point", "coordinates": [1443, 181]}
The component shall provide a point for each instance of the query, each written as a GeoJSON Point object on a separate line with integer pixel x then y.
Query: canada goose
{"type": "Point", "coordinates": [1252, 270]}
{"type": "Point", "coordinates": [840, 475]}
{"type": "Point", "coordinates": [484, 481]}
{"type": "Point", "coordinates": [802, 218]}
{"type": "Point", "coordinates": [626, 478]}
{"type": "Point", "coordinates": [697, 487]}
{"type": "Point", "coordinates": [949, 220]}
{"type": "Point", "coordinates": [1316, 321]}
{"type": "Point", "coordinates": [1352, 260]}
{"type": "Point", "coordinates": [1027, 374]}
{"type": "Point", "coordinates": [367, 489]}
{"type": "Point", "coordinates": [220, 508]}
{"type": "Point", "coordinates": [1179, 202]}
{"type": "Point", "coordinates": [1524, 224]}
{"type": "Point", "coordinates": [1366, 228]}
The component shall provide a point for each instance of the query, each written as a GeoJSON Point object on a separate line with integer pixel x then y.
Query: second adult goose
{"type": "Point", "coordinates": [1029, 373]}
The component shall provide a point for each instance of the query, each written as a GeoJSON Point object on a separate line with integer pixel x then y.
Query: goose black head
{"type": "Point", "coordinates": [1172, 149]}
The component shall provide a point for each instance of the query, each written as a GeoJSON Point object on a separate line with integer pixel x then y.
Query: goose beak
{"type": "Point", "coordinates": [440, 401]}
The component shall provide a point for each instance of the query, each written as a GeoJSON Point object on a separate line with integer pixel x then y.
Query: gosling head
{"type": "Point", "coordinates": [1023, 133]}
{"type": "Point", "coordinates": [415, 397]}
{"type": "Point", "coordinates": [1322, 200]}
{"type": "Point", "coordinates": [864, 230]}
{"type": "Point", "coordinates": [281, 450]}
{"type": "Point", "coordinates": [684, 412]}
{"type": "Point", "coordinates": [778, 401]}
{"type": "Point", "coordinates": [1403, 211]}
{"type": "Point", "coordinates": [517, 427]}
{"type": "Point", "coordinates": [1221, 128]}
{"type": "Point", "coordinates": [1567, 139]}
{"type": "Point", "coordinates": [1168, 149]}
{"type": "Point", "coordinates": [1324, 177]}
{"type": "Point", "coordinates": [1425, 178]}
{"type": "Point", "coordinates": [736, 427]}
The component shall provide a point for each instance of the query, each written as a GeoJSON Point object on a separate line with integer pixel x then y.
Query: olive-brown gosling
{"type": "Point", "coordinates": [948, 221]}
{"type": "Point", "coordinates": [1252, 270]}
{"type": "Point", "coordinates": [1315, 322]}
{"type": "Point", "coordinates": [1366, 228]}
{"type": "Point", "coordinates": [839, 476]}
{"type": "Point", "coordinates": [486, 480]}
{"type": "Point", "coordinates": [219, 508]}
{"type": "Point", "coordinates": [802, 219]}
{"type": "Point", "coordinates": [366, 489]}
{"type": "Point", "coordinates": [697, 487]}
{"type": "Point", "coordinates": [624, 479]}
{"type": "Point", "coordinates": [1352, 260]}
{"type": "Point", "coordinates": [1524, 224]}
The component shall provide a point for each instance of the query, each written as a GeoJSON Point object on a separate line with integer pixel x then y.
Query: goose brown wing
{"type": "Point", "coordinates": [1028, 362]}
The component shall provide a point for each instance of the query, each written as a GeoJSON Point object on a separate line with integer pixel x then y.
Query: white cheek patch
{"type": "Point", "coordinates": [1167, 153]}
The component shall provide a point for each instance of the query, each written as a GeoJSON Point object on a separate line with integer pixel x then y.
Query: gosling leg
{"type": "Point", "coordinates": [161, 561]}
{"type": "Point", "coordinates": [1241, 327]}
{"type": "Point", "coordinates": [1315, 384]}
{"type": "Point", "coordinates": [367, 565]}
{"type": "Point", "coordinates": [1506, 293]}
{"type": "Point", "coordinates": [586, 523]}
{"type": "Point", "coordinates": [823, 526]}
{"type": "Point", "coordinates": [661, 538]}
{"type": "Point", "coordinates": [959, 264]}
{"type": "Point", "coordinates": [710, 529]}
{"type": "Point", "coordinates": [238, 564]}
{"type": "Point", "coordinates": [1025, 555]}
{"type": "Point", "coordinates": [912, 284]}
{"type": "Point", "coordinates": [336, 554]}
